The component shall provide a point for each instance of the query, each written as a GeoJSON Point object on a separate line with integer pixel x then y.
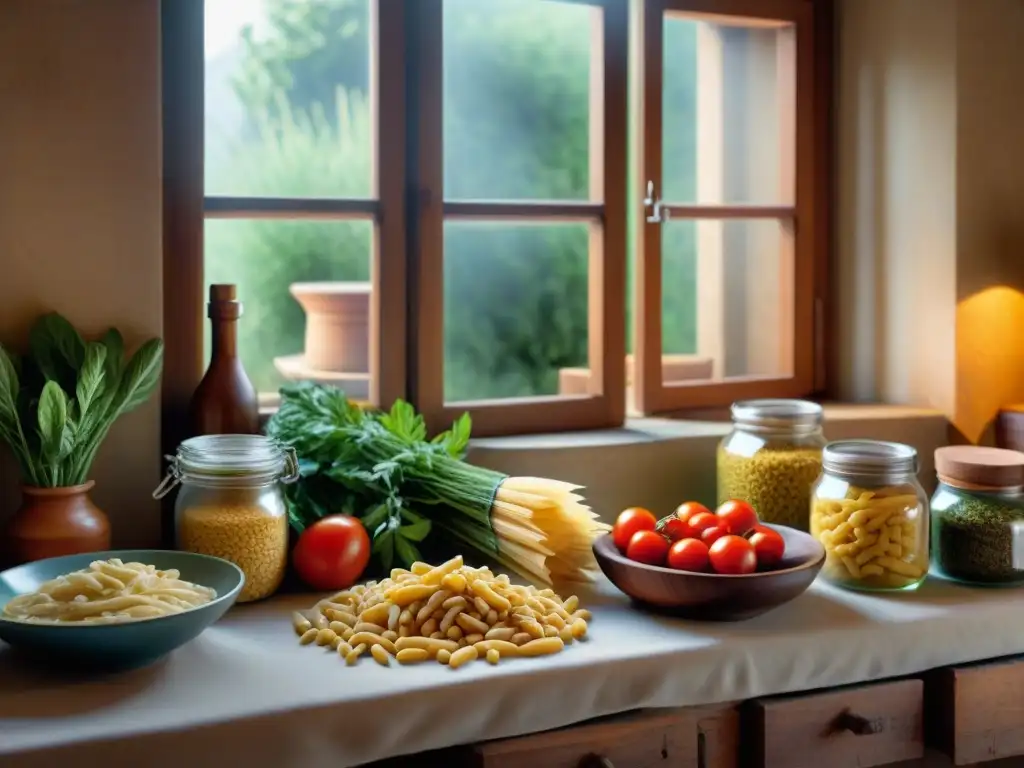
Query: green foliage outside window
{"type": "Point", "coordinates": [516, 127]}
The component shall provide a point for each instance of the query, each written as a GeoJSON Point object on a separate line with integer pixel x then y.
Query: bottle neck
{"type": "Point", "coordinates": [224, 338]}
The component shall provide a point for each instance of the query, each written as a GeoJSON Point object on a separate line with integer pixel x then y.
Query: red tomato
{"type": "Point", "coordinates": [688, 555]}
{"type": "Point", "coordinates": [629, 522]}
{"type": "Point", "coordinates": [700, 523]}
{"type": "Point", "coordinates": [768, 546]}
{"type": "Point", "coordinates": [710, 535]}
{"type": "Point", "coordinates": [648, 547]}
{"type": "Point", "coordinates": [737, 517]}
{"type": "Point", "coordinates": [332, 553]}
{"type": "Point", "coordinates": [675, 529]}
{"type": "Point", "coordinates": [732, 555]}
{"type": "Point", "coordinates": [688, 509]}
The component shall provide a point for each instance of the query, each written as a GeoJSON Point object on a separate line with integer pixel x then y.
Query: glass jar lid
{"type": "Point", "coordinates": [777, 415]}
{"type": "Point", "coordinates": [976, 467]}
{"type": "Point", "coordinates": [225, 458]}
{"type": "Point", "coordinates": [869, 458]}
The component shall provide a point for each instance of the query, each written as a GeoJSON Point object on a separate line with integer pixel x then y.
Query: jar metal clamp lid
{"type": "Point", "coordinates": [224, 456]}
{"type": "Point", "coordinates": [771, 415]}
{"type": "Point", "coordinates": [858, 458]}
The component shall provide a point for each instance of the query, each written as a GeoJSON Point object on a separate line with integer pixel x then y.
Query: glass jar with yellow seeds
{"type": "Point", "coordinates": [870, 513]}
{"type": "Point", "coordinates": [772, 458]}
{"type": "Point", "coordinates": [231, 505]}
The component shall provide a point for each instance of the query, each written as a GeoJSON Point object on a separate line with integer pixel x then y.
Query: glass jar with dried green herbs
{"type": "Point", "coordinates": [978, 515]}
{"type": "Point", "coordinates": [772, 458]}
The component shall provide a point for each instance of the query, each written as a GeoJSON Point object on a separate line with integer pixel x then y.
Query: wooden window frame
{"type": "Point", "coordinates": [409, 211]}
{"type": "Point", "coordinates": [807, 217]}
{"type": "Point", "coordinates": [187, 207]}
{"type": "Point", "coordinates": [606, 211]}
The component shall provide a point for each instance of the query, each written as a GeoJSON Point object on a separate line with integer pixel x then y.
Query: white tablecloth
{"type": "Point", "coordinates": [245, 692]}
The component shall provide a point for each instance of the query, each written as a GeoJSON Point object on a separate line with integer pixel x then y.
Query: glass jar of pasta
{"type": "Point", "coordinates": [231, 505]}
{"type": "Point", "coordinates": [871, 514]}
{"type": "Point", "coordinates": [978, 515]}
{"type": "Point", "coordinates": [772, 458]}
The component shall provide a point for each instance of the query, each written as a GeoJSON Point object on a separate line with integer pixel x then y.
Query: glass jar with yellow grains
{"type": "Point", "coordinates": [869, 511]}
{"type": "Point", "coordinates": [772, 458]}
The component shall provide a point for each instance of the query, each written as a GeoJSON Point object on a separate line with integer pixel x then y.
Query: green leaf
{"type": "Point", "coordinates": [384, 548]}
{"type": "Point", "coordinates": [418, 531]}
{"type": "Point", "coordinates": [458, 436]}
{"type": "Point", "coordinates": [403, 422]}
{"type": "Point", "coordinates": [53, 418]}
{"type": "Point", "coordinates": [90, 378]}
{"type": "Point", "coordinates": [114, 362]}
{"type": "Point", "coordinates": [141, 377]}
{"type": "Point", "coordinates": [407, 552]}
{"type": "Point", "coordinates": [9, 387]}
{"type": "Point", "coordinates": [57, 348]}
{"type": "Point", "coordinates": [375, 517]}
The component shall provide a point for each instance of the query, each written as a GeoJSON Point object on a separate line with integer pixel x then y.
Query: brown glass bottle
{"type": "Point", "coordinates": [225, 401]}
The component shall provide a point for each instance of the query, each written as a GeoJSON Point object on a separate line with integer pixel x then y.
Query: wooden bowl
{"type": "Point", "coordinates": [710, 596]}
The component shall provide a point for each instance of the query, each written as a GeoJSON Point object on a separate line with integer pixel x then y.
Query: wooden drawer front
{"type": "Point", "coordinates": [976, 713]}
{"type": "Point", "coordinates": [857, 727]}
{"type": "Point", "coordinates": [698, 738]}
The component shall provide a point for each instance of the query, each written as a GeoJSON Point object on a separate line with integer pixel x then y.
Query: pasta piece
{"type": "Point", "coordinates": [112, 592]}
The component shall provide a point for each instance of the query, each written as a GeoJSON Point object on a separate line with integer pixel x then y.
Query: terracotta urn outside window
{"type": "Point", "coordinates": [337, 344]}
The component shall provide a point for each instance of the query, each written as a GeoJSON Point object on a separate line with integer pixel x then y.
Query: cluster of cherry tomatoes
{"type": "Point", "coordinates": [729, 540]}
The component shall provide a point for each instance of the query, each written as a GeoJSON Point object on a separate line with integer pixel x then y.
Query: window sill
{"type": "Point", "coordinates": [647, 429]}
{"type": "Point", "coordinates": [659, 462]}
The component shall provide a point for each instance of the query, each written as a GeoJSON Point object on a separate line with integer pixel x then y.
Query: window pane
{"type": "Point", "coordinates": [277, 264]}
{"type": "Point", "coordinates": [515, 303]}
{"type": "Point", "coordinates": [516, 99]}
{"type": "Point", "coordinates": [728, 113]}
{"type": "Point", "coordinates": [727, 307]}
{"type": "Point", "coordinates": [287, 102]}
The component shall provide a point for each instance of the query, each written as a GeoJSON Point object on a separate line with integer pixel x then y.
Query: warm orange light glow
{"type": "Point", "coordinates": [990, 357]}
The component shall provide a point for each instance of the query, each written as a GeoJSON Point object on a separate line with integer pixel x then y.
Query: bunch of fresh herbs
{"type": "Point", "coordinates": [58, 402]}
{"type": "Point", "coordinates": [380, 467]}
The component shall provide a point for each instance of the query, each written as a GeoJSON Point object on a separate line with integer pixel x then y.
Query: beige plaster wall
{"type": "Point", "coordinates": [80, 204]}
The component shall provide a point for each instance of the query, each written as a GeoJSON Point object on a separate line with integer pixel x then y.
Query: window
{"type": "Point", "coordinates": [726, 261]}
{"type": "Point", "coordinates": [444, 200]}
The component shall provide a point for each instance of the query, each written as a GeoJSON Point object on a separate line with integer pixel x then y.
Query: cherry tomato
{"type": "Point", "coordinates": [737, 517]}
{"type": "Point", "coordinates": [332, 553]}
{"type": "Point", "coordinates": [648, 547]}
{"type": "Point", "coordinates": [675, 529]}
{"type": "Point", "coordinates": [700, 523]}
{"type": "Point", "coordinates": [768, 546]}
{"type": "Point", "coordinates": [710, 535]}
{"type": "Point", "coordinates": [629, 522]}
{"type": "Point", "coordinates": [688, 555]}
{"type": "Point", "coordinates": [732, 555]}
{"type": "Point", "coordinates": [688, 509]}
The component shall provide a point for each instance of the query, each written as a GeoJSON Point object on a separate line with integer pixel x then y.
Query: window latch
{"type": "Point", "coordinates": [659, 211]}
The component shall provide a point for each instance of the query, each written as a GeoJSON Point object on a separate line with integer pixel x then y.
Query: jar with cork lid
{"type": "Point", "coordinates": [978, 515]}
{"type": "Point", "coordinates": [231, 504]}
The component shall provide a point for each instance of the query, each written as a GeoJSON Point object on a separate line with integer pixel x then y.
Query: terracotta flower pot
{"type": "Point", "coordinates": [337, 325]}
{"type": "Point", "coordinates": [56, 521]}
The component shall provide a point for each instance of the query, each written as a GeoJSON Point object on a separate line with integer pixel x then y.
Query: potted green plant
{"type": "Point", "coordinates": [57, 404]}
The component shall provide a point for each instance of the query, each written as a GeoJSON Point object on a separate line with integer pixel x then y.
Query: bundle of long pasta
{"type": "Point", "coordinates": [544, 529]}
{"type": "Point", "coordinates": [382, 467]}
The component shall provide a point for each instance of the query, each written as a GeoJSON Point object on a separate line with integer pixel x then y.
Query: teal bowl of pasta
{"type": "Point", "coordinates": [113, 611]}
